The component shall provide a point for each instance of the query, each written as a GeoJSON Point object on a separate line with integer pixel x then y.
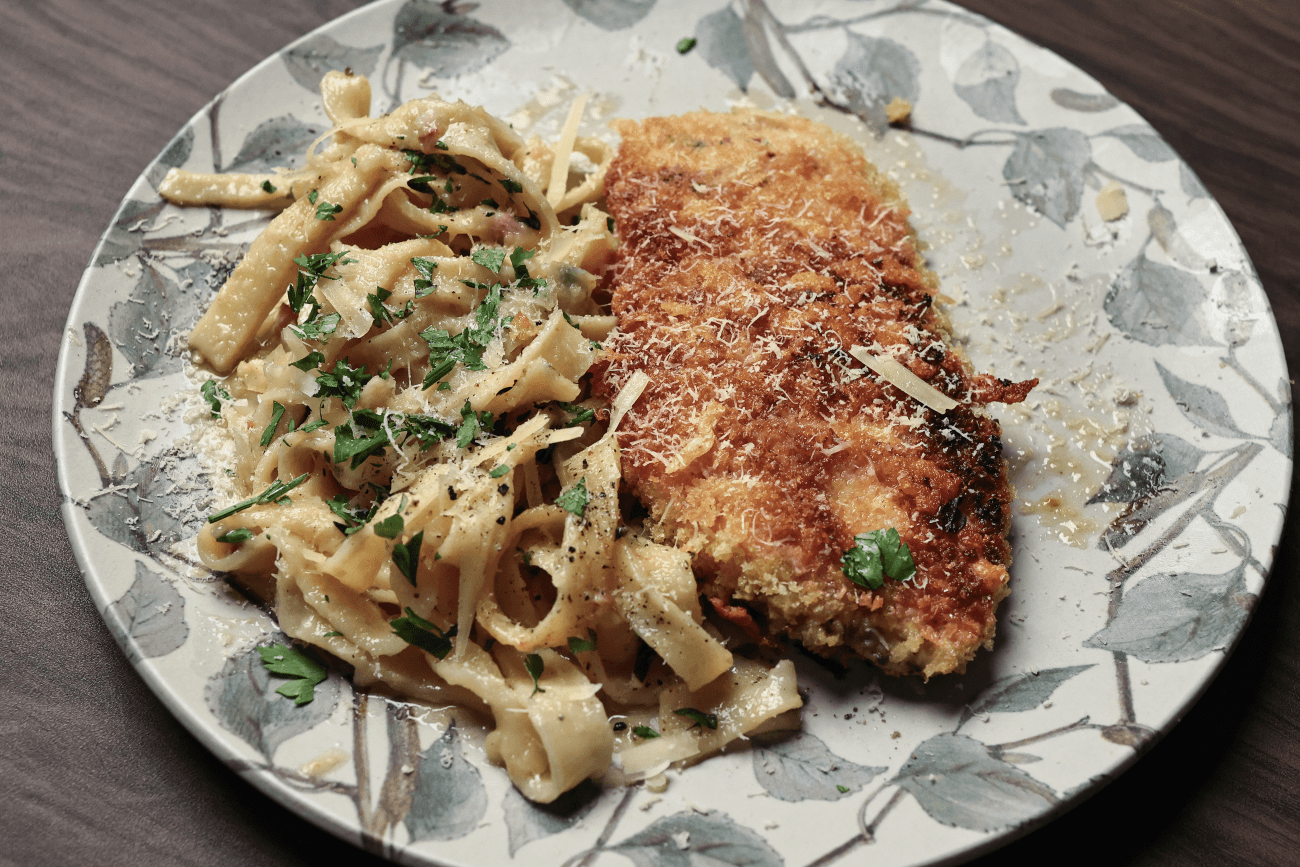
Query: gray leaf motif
{"type": "Point", "coordinates": [1202, 406]}
{"type": "Point", "coordinates": [987, 82]}
{"type": "Point", "coordinates": [309, 62]}
{"type": "Point", "coordinates": [1165, 230]}
{"type": "Point", "coordinates": [612, 14]}
{"type": "Point", "coordinates": [449, 799]}
{"type": "Point", "coordinates": [692, 839]}
{"type": "Point", "coordinates": [1144, 467]}
{"type": "Point", "coordinates": [958, 782]}
{"type": "Point", "coordinates": [1157, 304]}
{"type": "Point", "coordinates": [1143, 141]}
{"type": "Point", "coordinates": [1023, 691]}
{"type": "Point", "coordinates": [147, 513]}
{"type": "Point", "coordinates": [798, 766]}
{"type": "Point", "coordinates": [526, 821]}
{"type": "Point", "coordinates": [721, 38]}
{"type": "Point", "coordinates": [97, 373]}
{"type": "Point", "coordinates": [444, 42]}
{"type": "Point", "coordinates": [1045, 171]}
{"type": "Point", "coordinates": [1279, 433]}
{"type": "Point", "coordinates": [275, 143]}
{"type": "Point", "coordinates": [1089, 102]}
{"type": "Point", "coordinates": [142, 326]}
{"type": "Point", "coordinates": [149, 619]}
{"type": "Point", "coordinates": [1177, 617]}
{"type": "Point", "coordinates": [1190, 183]}
{"type": "Point", "coordinates": [124, 238]}
{"type": "Point", "coordinates": [871, 73]}
{"type": "Point", "coordinates": [173, 156]}
{"type": "Point", "coordinates": [242, 697]}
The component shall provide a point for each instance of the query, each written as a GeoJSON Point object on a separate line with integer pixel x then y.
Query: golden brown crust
{"type": "Point", "coordinates": [756, 250]}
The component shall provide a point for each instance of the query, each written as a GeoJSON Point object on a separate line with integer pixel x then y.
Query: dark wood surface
{"type": "Point", "coordinates": [94, 770]}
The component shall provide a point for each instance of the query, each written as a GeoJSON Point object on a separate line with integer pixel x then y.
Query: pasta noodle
{"type": "Point", "coordinates": [431, 496]}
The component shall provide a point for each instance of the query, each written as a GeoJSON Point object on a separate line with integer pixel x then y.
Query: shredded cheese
{"type": "Point", "coordinates": [890, 370]}
{"type": "Point", "coordinates": [559, 183]}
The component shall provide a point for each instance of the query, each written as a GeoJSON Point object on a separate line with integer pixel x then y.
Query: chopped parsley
{"type": "Point", "coordinates": [491, 258]}
{"type": "Point", "coordinates": [473, 423]}
{"type": "Point", "coordinates": [708, 720]}
{"type": "Point", "coordinates": [268, 187]}
{"type": "Point", "coordinates": [414, 629]}
{"type": "Point", "coordinates": [580, 414]}
{"type": "Point", "coordinates": [214, 394]}
{"type": "Point", "coordinates": [324, 210]}
{"type": "Point", "coordinates": [273, 494]}
{"type": "Point", "coordinates": [535, 666]}
{"type": "Point", "coordinates": [354, 519]}
{"type": "Point", "coordinates": [644, 732]}
{"type": "Point", "coordinates": [288, 662]}
{"type": "Point", "coordinates": [391, 527]}
{"type": "Point", "coordinates": [406, 556]}
{"type": "Point", "coordinates": [575, 499]}
{"type": "Point", "coordinates": [512, 186]}
{"type": "Point", "coordinates": [234, 537]}
{"type": "Point", "coordinates": [424, 283]}
{"type": "Point", "coordinates": [446, 351]}
{"type": "Point", "coordinates": [685, 44]}
{"type": "Point", "coordinates": [843, 790]}
{"type": "Point", "coordinates": [583, 645]}
{"type": "Point", "coordinates": [344, 382]}
{"type": "Point", "coordinates": [878, 555]}
{"type": "Point", "coordinates": [498, 471]}
{"type": "Point", "coordinates": [276, 414]}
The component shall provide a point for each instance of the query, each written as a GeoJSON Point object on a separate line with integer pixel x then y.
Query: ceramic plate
{"type": "Point", "coordinates": [1152, 462]}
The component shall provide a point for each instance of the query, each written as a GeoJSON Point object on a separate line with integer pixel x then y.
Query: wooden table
{"type": "Point", "coordinates": [94, 770]}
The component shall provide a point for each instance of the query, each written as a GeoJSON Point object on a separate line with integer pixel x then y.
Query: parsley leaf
{"type": "Point", "coordinates": [512, 186]}
{"type": "Point", "coordinates": [310, 361]}
{"type": "Point", "coordinates": [344, 382]}
{"type": "Point", "coordinates": [268, 187]}
{"type": "Point", "coordinates": [473, 424]}
{"type": "Point", "coordinates": [234, 537]}
{"type": "Point", "coordinates": [424, 283]}
{"type": "Point", "coordinates": [875, 556]}
{"type": "Point", "coordinates": [491, 258]}
{"type": "Point", "coordinates": [644, 732]}
{"type": "Point", "coordinates": [214, 394]}
{"type": "Point", "coordinates": [392, 526]}
{"type": "Point", "coordinates": [407, 557]}
{"type": "Point", "coordinates": [583, 645]}
{"type": "Point", "coordinates": [288, 662]}
{"type": "Point", "coordinates": [535, 666]}
{"type": "Point", "coordinates": [276, 414]}
{"type": "Point", "coordinates": [318, 328]}
{"type": "Point", "coordinates": [580, 413]}
{"type": "Point", "coordinates": [685, 44]}
{"type": "Point", "coordinates": [498, 471]}
{"type": "Point", "coordinates": [414, 629]}
{"type": "Point", "coordinates": [355, 519]}
{"type": "Point", "coordinates": [324, 210]}
{"type": "Point", "coordinates": [575, 498]}
{"type": "Point", "coordinates": [273, 494]}
{"type": "Point", "coordinates": [708, 720]}
{"type": "Point", "coordinates": [446, 351]}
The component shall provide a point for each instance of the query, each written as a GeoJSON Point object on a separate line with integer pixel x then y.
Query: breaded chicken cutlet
{"type": "Point", "coordinates": [756, 251]}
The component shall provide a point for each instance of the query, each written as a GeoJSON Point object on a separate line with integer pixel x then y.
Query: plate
{"type": "Point", "coordinates": [1152, 463]}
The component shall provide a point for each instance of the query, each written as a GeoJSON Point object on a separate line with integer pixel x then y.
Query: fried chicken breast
{"type": "Point", "coordinates": [756, 251]}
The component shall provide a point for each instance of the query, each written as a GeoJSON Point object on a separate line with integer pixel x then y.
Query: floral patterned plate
{"type": "Point", "coordinates": [1152, 462]}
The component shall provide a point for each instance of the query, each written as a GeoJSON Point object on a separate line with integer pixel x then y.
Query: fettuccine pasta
{"type": "Point", "coordinates": [431, 494]}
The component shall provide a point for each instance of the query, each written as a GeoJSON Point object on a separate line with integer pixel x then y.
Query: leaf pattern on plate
{"type": "Point", "coordinates": [1146, 466]}
{"type": "Point", "coordinates": [278, 143]}
{"type": "Point", "coordinates": [124, 237]}
{"type": "Point", "coordinates": [612, 14]}
{"type": "Point", "coordinates": [1199, 404]}
{"type": "Point", "coordinates": [1164, 229]}
{"type": "Point", "coordinates": [1177, 617]}
{"type": "Point", "coordinates": [242, 697]}
{"type": "Point", "coordinates": [871, 73]}
{"type": "Point", "coordinates": [1157, 304]}
{"type": "Point", "coordinates": [309, 61]}
{"type": "Point", "coordinates": [987, 82]}
{"type": "Point", "coordinates": [959, 782]}
{"type": "Point", "coordinates": [97, 372]}
{"type": "Point", "coordinates": [527, 821]}
{"type": "Point", "coordinates": [143, 325]}
{"type": "Point", "coordinates": [1045, 171]}
{"type": "Point", "coordinates": [1023, 691]}
{"type": "Point", "coordinates": [173, 156]}
{"type": "Point", "coordinates": [1087, 102]}
{"type": "Point", "coordinates": [147, 508]}
{"type": "Point", "coordinates": [798, 766]}
{"type": "Point", "coordinates": [721, 38]}
{"type": "Point", "coordinates": [1190, 183]}
{"type": "Point", "coordinates": [444, 42]}
{"type": "Point", "coordinates": [149, 619]}
{"type": "Point", "coordinates": [449, 799]}
{"type": "Point", "coordinates": [1144, 141]}
{"type": "Point", "coordinates": [694, 839]}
